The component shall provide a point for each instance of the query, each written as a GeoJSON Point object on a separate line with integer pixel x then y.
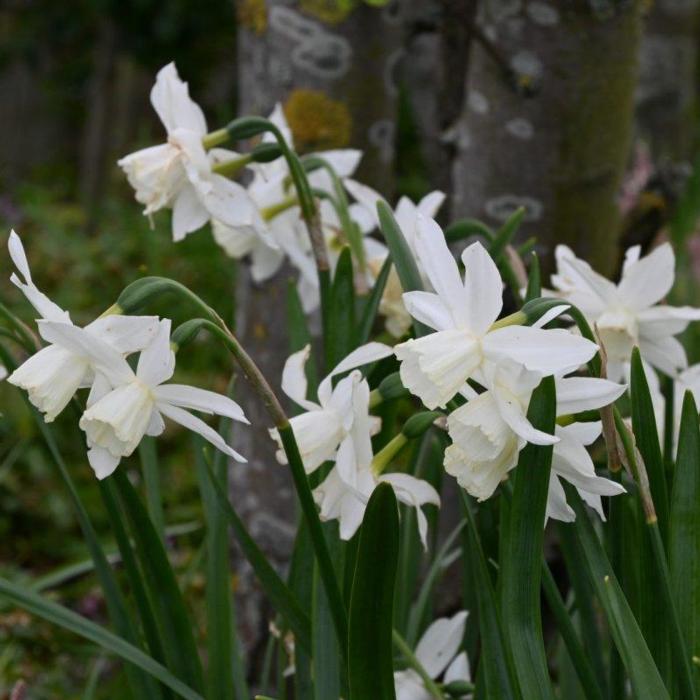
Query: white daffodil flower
{"type": "Point", "coordinates": [178, 174]}
{"type": "Point", "coordinates": [628, 313]}
{"type": "Point", "coordinates": [323, 426]}
{"type": "Point", "coordinates": [344, 494]}
{"type": "Point", "coordinates": [126, 405]}
{"type": "Point", "coordinates": [436, 651]}
{"type": "Point", "coordinates": [436, 366]}
{"type": "Point", "coordinates": [406, 213]}
{"type": "Point", "coordinates": [488, 435]}
{"type": "Point", "coordinates": [53, 374]}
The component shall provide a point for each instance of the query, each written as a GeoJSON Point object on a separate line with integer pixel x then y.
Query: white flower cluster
{"type": "Point", "coordinates": [123, 405]}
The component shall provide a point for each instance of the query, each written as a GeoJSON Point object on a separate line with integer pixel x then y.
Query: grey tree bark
{"type": "Point", "coordinates": [547, 120]}
{"type": "Point", "coordinates": [667, 92]}
{"type": "Point", "coordinates": [334, 73]}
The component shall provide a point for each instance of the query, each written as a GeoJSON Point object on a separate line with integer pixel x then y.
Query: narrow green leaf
{"type": "Point", "coordinates": [465, 228]}
{"type": "Point", "coordinates": [437, 567]}
{"type": "Point", "coordinates": [301, 578]}
{"type": "Point", "coordinates": [276, 590]}
{"type": "Point", "coordinates": [326, 661]}
{"type": "Point", "coordinates": [505, 234]}
{"type": "Point", "coordinates": [534, 282]}
{"type": "Point", "coordinates": [401, 256]}
{"type": "Point", "coordinates": [684, 534]}
{"type": "Point", "coordinates": [642, 671]}
{"type": "Point", "coordinates": [151, 481]}
{"type": "Point", "coordinates": [340, 337]}
{"type": "Point", "coordinates": [141, 686]}
{"type": "Point", "coordinates": [579, 657]}
{"type": "Point", "coordinates": [325, 564]}
{"type": "Point", "coordinates": [498, 677]}
{"type": "Point", "coordinates": [371, 304]}
{"type": "Point", "coordinates": [521, 562]}
{"type": "Point", "coordinates": [67, 619]}
{"type": "Point", "coordinates": [225, 673]}
{"type": "Point", "coordinates": [370, 659]}
{"type": "Point", "coordinates": [133, 573]}
{"type": "Point", "coordinates": [647, 438]}
{"type": "Point", "coordinates": [170, 612]}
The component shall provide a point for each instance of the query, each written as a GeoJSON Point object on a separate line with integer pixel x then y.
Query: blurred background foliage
{"type": "Point", "coordinates": [75, 78]}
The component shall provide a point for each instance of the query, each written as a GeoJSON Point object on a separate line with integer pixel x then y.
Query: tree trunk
{"type": "Point", "coordinates": [333, 72]}
{"type": "Point", "coordinates": [434, 70]}
{"type": "Point", "coordinates": [547, 121]}
{"type": "Point", "coordinates": [667, 93]}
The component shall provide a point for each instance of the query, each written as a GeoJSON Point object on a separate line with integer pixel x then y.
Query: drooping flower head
{"type": "Point", "coordinates": [178, 174]}
{"type": "Point", "coordinates": [53, 374]}
{"type": "Point", "coordinates": [125, 405]}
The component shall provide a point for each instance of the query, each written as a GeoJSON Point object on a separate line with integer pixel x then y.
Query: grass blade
{"type": "Point", "coordinates": [521, 562]}
{"type": "Point", "coordinates": [642, 671]}
{"type": "Point", "coordinates": [578, 656]}
{"type": "Point", "coordinates": [370, 659]}
{"type": "Point", "coordinates": [684, 532]}
{"type": "Point", "coordinates": [401, 256]}
{"type": "Point", "coordinates": [141, 686]}
{"type": "Point", "coordinates": [494, 668]}
{"type": "Point", "coordinates": [225, 674]}
{"type": "Point", "coordinates": [647, 438]}
{"type": "Point", "coordinates": [67, 619]}
{"type": "Point", "coordinates": [169, 610]}
{"type": "Point", "coordinates": [133, 573]}
{"type": "Point", "coordinates": [276, 590]}
{"type": "Point", "coordinates": [151, 481]}
{"type": "Point", "coordinates": [339, 336]}
{"type": "Point", "coordinates": [371, 305]}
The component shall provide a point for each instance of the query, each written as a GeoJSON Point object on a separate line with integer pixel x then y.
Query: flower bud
{"type": "Point", "coordinates": [417, 424]}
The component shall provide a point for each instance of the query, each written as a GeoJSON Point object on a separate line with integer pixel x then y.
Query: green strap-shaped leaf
{"type": "Point", "coordinates": [168, 606]}
{"type": "Point", "coordinates": [225, 672]}
{"type": "Point", "coordinates": [495, 668]}
{"type": "Point", "coordinates": [370, 660]}
{"type": "Point", "coordinates": [534, 282]}
{"type": "Point", "coordinates": [521, 560]}
{"type": "Point", "coordinates": [505, 234]}
{"type": "Point", "coordinates": [339, 336]}
{"type": "Point", "coordinates": [276, 590]}
{"type": "Point", "coordinates": [133, 573]}
{"type": "Point", "coordinates": [371, 304]}
{"type": "Point", "coordinates": [69, 620]}
{"type": "Point", "coordinates": [151, 481]}
{"type": "Point", "coordinates": [684, 532]}
{"type": "Point", "coordinates": [401, 254]}
{"type": "Point", "coordinates": [579, 657]}
{"type": "Point", "coordinates": [647, 438]}
{"type": "Point", "coordinates": [636, 657]}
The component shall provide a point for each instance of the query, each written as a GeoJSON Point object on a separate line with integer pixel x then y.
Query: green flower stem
{"type": "Point", "coordinates": [271, 212]}
{"type": "Point", "coordinates": [352, 233]}
{"type": "Point", "coordinates": [429, 684]}
{"type": "Point", "coordinates": [383, 458]}
{"type": "Point", "coordinates": [230, 168]}
{"type": "Point", "coordinates": [215, 138]}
